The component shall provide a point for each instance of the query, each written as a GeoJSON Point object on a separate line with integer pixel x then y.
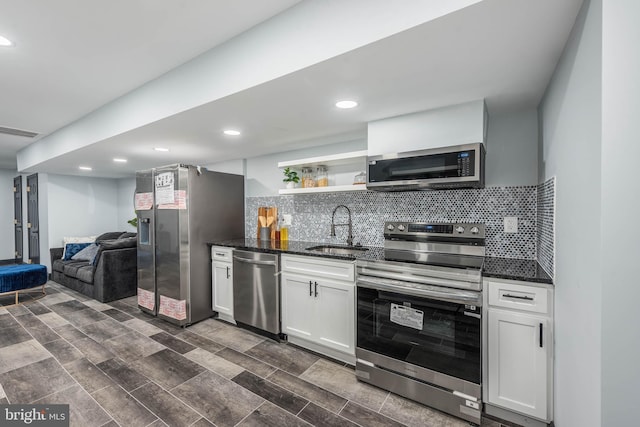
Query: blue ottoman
{"type": "Point", "coordinates": [15, 278]}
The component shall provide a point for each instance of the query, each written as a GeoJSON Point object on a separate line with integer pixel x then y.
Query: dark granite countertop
{"type": "Point", "coordinates": [502, 268]}
{"type": "Point", "coordinates": [294, 247]}
{"type": "Point", "coordinates": [526, 270]}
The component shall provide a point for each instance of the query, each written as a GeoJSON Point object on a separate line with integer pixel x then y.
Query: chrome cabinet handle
{"type": "Point", "coordinates": [228, 272]}
{"type": "Point", "coordinates": [526, 298]}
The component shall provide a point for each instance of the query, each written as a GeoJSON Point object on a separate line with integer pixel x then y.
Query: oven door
{"type": "Point", "coordinates": [429, 333]}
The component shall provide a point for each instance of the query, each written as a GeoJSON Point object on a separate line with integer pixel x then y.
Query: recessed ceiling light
{"type": "Point", "coordinates": [120, 160]}
{"type": "Point", "coordinates": [5, 41]}
{"type": "Point", "coordinates": [346, 104]}
{"type": "Point", "coordinates": [84, 168]}
{"type": "Point", "coordinates": [161, 149]}
{"type": "Point", "coordinates": [232, 132]}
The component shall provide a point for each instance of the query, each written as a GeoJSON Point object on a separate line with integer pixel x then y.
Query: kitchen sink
{"type": "Point", "coordinates": [338, 250]}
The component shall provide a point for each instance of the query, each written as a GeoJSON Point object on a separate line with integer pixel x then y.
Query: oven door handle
{"type": "Point", "coordinates": [437, 293]}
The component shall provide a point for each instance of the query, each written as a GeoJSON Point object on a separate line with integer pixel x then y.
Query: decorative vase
{"type": "Point", "coordinates": [291, 185]}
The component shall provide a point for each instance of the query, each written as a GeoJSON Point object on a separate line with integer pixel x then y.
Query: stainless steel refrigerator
{"type": "Point", "coordinates": [180, 210]}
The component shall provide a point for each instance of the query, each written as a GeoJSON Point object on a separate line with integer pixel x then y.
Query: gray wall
{"type": "Point", "coordinates": [570, 114]}
{"type": "Point", "coordinates": [620, 208]}
{"type": "Point", "coordinates": [7, 247]}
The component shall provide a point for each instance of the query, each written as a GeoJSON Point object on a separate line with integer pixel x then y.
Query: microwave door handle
{"type": "Point", "coordinates": [451, 295]}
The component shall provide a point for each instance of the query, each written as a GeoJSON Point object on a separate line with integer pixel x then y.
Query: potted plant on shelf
{"type": "Point", "coordinates": [291, 178]}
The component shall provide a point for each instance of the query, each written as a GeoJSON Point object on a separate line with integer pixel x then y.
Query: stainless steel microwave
{"type": "Point", "coordinates": [459, 166]}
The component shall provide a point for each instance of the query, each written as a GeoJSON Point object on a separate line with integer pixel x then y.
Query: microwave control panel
{"type": "Point", "coordinates": [465, 163]}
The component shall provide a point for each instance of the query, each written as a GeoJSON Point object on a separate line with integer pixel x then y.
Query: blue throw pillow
{"type": "Point", "coordinates": [87, 254]}
{"type": "Point", "coordinates": [70, 249]}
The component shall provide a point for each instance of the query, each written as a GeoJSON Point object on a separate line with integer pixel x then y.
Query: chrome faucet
{"type": "Point", "coordinates": [349, 224]}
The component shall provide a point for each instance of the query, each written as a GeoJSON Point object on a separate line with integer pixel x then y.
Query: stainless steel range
{"type": "Point", "coordinates": [419, 316]}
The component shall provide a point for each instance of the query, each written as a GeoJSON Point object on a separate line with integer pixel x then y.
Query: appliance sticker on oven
{"type": "Point", "coordinates": [406, 316]}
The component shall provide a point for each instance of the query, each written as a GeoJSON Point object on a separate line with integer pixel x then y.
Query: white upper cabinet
{"type": "Point", "coordinates": [441, 127]}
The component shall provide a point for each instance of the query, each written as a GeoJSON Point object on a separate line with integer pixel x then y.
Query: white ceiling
{"type": "Point", "coordinates": [502, 50]}
{"type": "Point", "coordinates": [73, 56]}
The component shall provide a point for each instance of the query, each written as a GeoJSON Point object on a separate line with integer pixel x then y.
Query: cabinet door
{"type": "Point", "coordinates": [517, 357]}
{"type": "Point", "coordinates": [223, 288]}
{"type": "Point", "coordinates": [297, 306]}
{"type": "Point", "coordinates": [335, 314]}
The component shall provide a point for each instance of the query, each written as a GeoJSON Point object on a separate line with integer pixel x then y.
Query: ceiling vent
{"type": "Point", "coordinates": [17, 132]}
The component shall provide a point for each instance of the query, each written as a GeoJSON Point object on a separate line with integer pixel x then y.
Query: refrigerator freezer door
{"type": "Point", "coordinates": [147, 298]}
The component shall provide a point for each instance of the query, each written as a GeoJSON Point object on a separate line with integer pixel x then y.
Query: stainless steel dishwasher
{"type": "Point", "coordinates": [256, 290]}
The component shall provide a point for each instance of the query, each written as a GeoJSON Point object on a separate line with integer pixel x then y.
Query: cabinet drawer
{"type": "Point", "coordinates": [221, 253]}
{"type": "Point", "coordinates": [320, 267]}
{"type": "Point", "coordinates": [519, 297]}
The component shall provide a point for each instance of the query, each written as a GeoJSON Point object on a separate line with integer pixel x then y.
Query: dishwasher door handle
{"type": "Point", "coordinates": [255, 262]}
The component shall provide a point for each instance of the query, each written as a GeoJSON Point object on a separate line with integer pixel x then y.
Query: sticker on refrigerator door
{"type": "Point", "coordinates": [165, 188]}
{"type": "Point", "coordinates": [146, 299]}
{"type": "Point", "coordinates": [144, 201]}
{"type": "Point", "coordinates": [176, 309]}
{"type": "Point", "coordinates": [180, 201]}
{"type": "Point", "coordinates": [406, 316]}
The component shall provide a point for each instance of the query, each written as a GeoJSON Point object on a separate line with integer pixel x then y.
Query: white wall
{"type": "Point", "coordinates": [440, 127]}
{"type": "Point", "coordinates": [43, 219]}
{"type": "Point", "coordinates": [237, 167]}
{"type": "Point", "coordinates": [620, 208]}
{"type": "Point", "coordinates": [570, 116]}
{"type": "Point", "coordinates": [265, 179]}
{"type": "Point", "coordinates": [7, 245]}
{"type": "Point", "coordinates": [80, 206]}
{"type": "Point", "coordinates": [512, 149]}
{"type": "Point", "coordinates": [126, 189]}
{"type": "Point", "coordinates": [512, 157]}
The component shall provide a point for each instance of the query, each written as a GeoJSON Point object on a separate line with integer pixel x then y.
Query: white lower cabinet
{"type": "Point", "coordinates": [297, 306]}
{"type": "Point", "coordinates": [519, 349]}
{"type": "Point", "coordinates": [222, 282]}
{"type": "Point", "coordinates": [319, 313]}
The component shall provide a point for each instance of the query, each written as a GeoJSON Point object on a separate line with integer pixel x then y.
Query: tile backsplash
{"type": "Point", "coordinates": [312, 215]}
{"type": "Point", "coordinates": [546, 229]}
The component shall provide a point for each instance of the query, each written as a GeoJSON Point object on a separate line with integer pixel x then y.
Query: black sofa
{"type": "Point", "coordinates": [113, 274]}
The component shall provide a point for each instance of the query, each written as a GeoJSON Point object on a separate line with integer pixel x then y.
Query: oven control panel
{"type": "Point", "coordinates": [399, 228]}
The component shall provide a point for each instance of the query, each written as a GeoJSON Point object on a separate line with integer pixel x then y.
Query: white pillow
{"type": "Point", "coordinates": [65, 240]}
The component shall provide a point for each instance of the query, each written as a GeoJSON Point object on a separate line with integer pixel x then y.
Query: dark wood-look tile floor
{"type": "Point", "coordinates": [117, 366]}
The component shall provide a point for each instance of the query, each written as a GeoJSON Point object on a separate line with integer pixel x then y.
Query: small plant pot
{"type": "Point", "coordinates": [291, 185]}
